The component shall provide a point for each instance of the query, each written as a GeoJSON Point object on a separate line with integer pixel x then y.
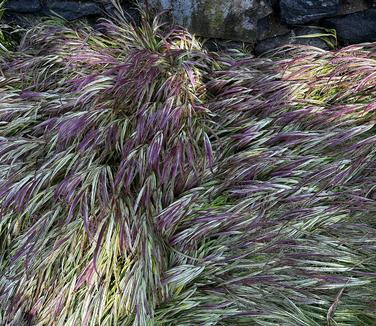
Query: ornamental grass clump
{"type": "Point", "coordinates": [298, 176]}
{"type": "Point", "coordinates": [101, 130]}
{"type": "Point", "coordinates": [145, 181]}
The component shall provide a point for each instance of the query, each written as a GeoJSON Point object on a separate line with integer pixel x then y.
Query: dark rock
{"type": "Point", "coordinates": [354, 28]}
{"type": "Point", "coordinates": [71, 10]}
{"type": "Point", "coordinates": [130, 12]}
{"type": "Point", "coordinates": [23, 6]}
{"type": "Point", "coordinates": [225, 19]}
{"type": "Point", "coordinates": [292, 37]}
{"type": "Point", "coordinates": [351, 6]}
{"type": "Point", "coordinates": [272, 43]}
{"type": "Point", "coordinates": [273, 4]}
{"type": "Point", "coordinates": [217, 45]}
{"type": "Point", "coordinates": [304, 11]}
{"type": "Point", "coordinates": [301, 36]}
{"type": "Point", "coordinates": [270, 26]}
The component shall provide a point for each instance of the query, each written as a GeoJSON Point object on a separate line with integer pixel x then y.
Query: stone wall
{"type": "Point", "coordinates": [271, 23]}
{"type": "Point", "coordinates": [265, 24]}
{"type": "Point", "coordinates": [69, 9]}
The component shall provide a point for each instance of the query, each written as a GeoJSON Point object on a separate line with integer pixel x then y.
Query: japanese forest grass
{"type": "Point", "coordinates": [147, 181]}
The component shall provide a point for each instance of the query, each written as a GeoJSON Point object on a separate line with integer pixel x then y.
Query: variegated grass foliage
{"type": "Point", "coordinates": [145, 181]}
{"type": "Point", "coordinates": [6, 41]}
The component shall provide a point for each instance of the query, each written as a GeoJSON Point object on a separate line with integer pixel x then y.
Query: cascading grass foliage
{"type": "Point", "coordinates": [6, 41]}
{"type": "Point", "coordinates": [145, 181]}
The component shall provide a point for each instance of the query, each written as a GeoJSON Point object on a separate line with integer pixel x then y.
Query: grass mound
{"type": "Point", "coordinates": [145, 181]}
